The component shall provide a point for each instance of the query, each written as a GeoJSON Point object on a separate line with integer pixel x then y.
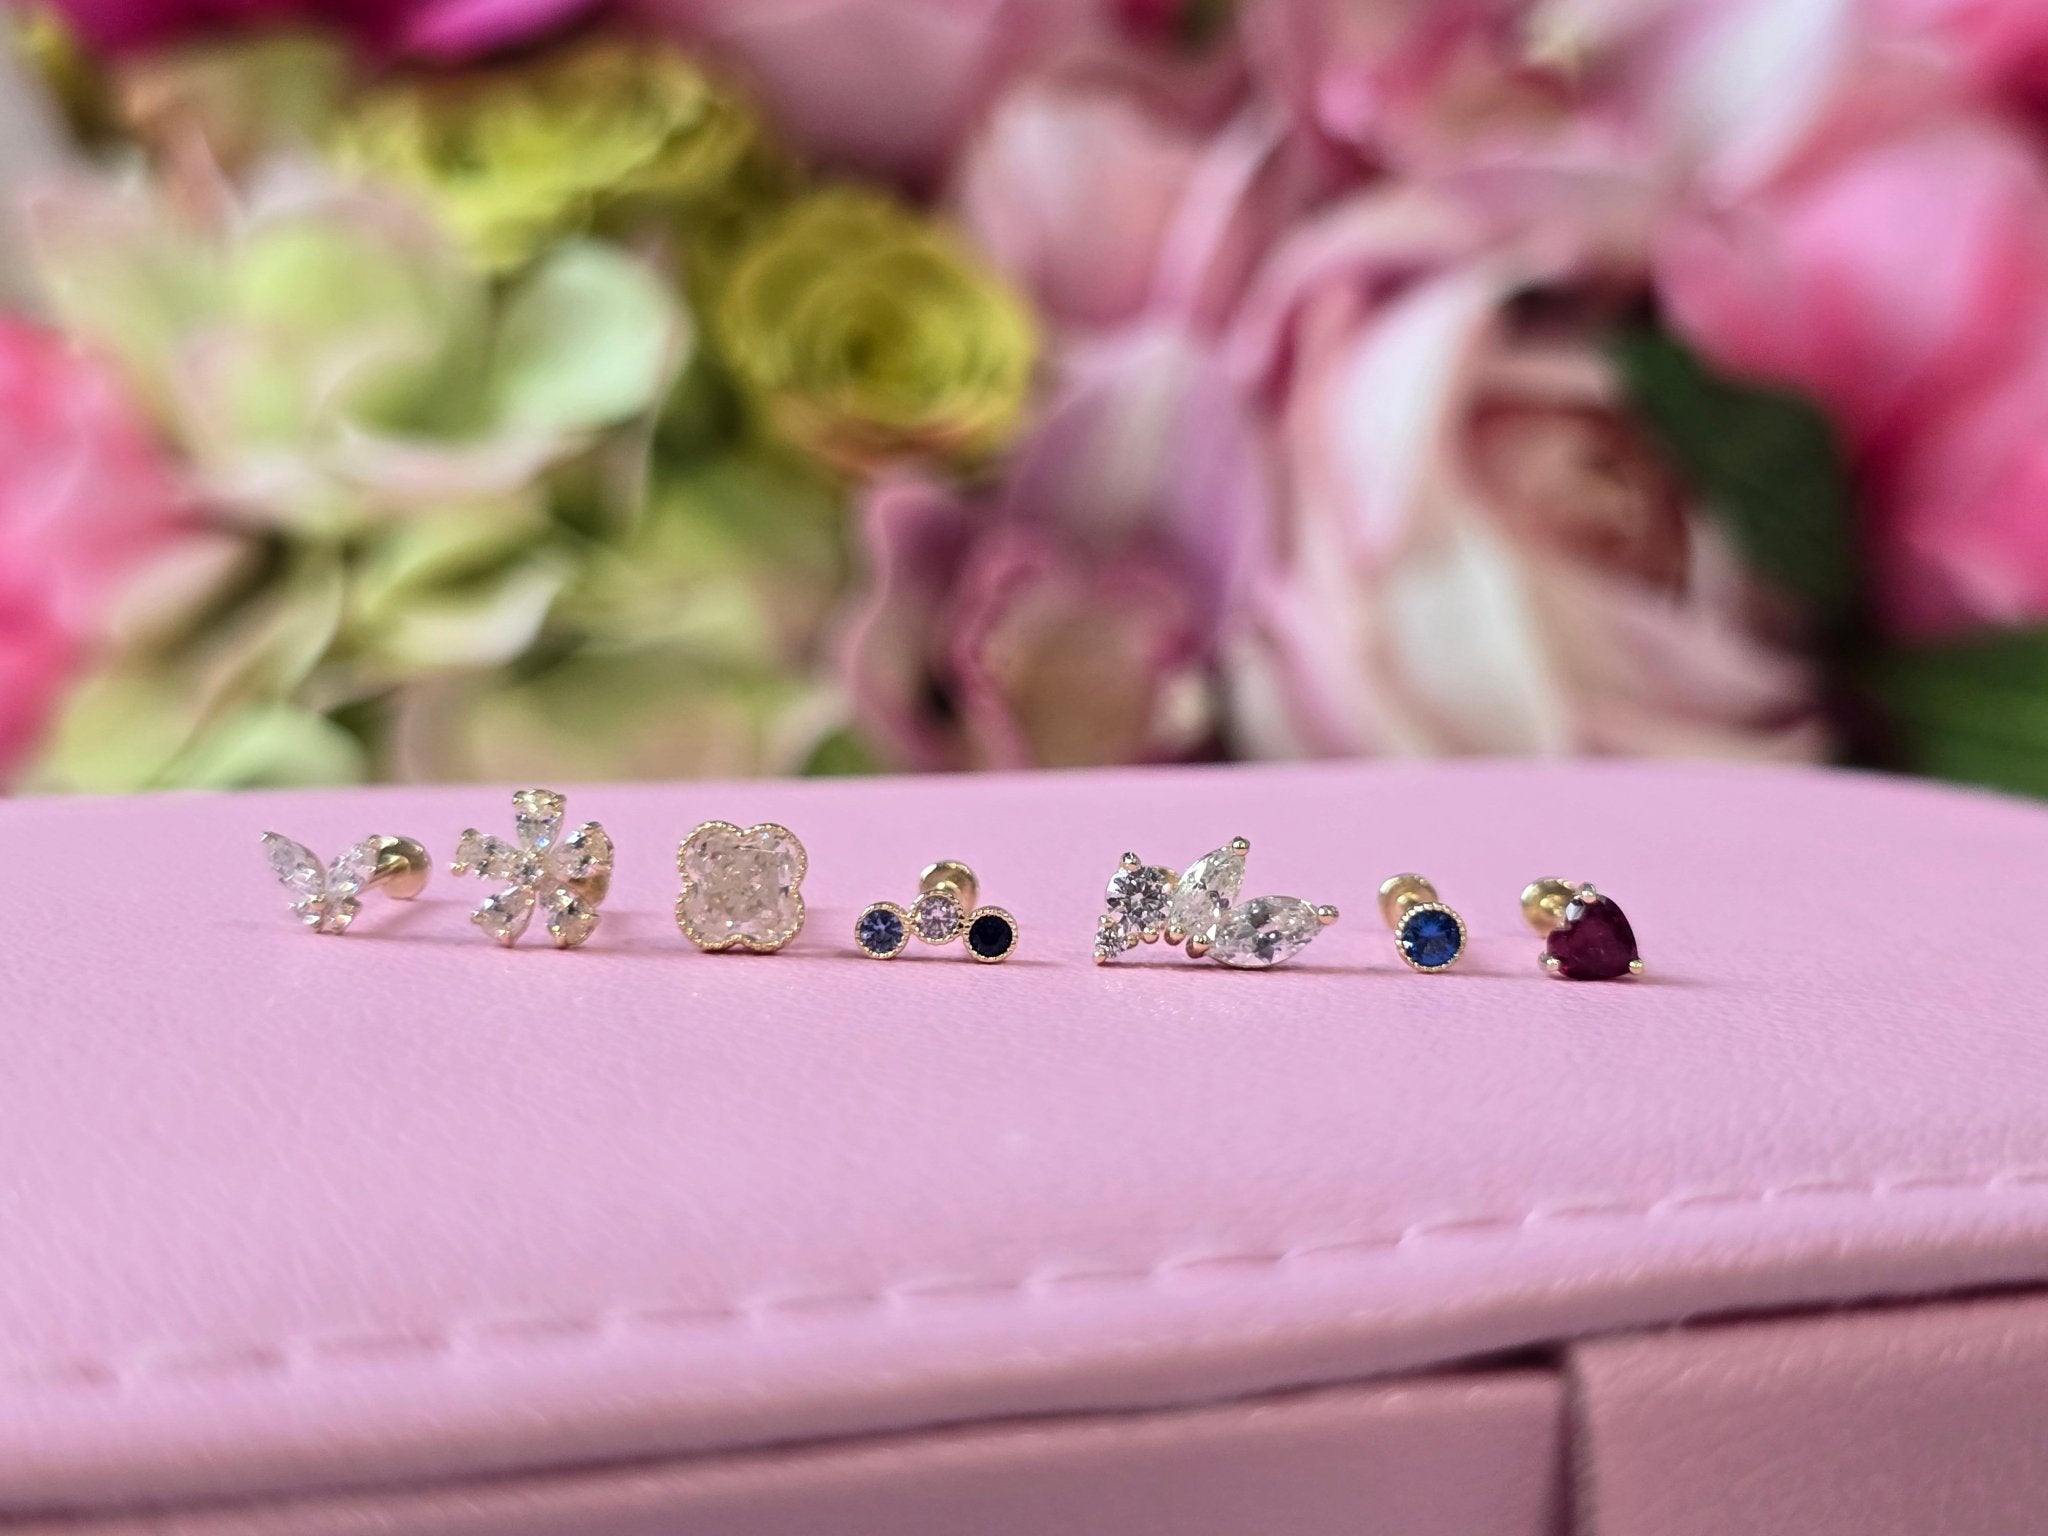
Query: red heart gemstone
{"type": "Point", "coordinates": [1595, 943]}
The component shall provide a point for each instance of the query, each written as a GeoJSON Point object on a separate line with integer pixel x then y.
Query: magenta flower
{"type": "Point", "coordinates": [84, 495]}
{"type": "Point", "coordinates": [439, 29]}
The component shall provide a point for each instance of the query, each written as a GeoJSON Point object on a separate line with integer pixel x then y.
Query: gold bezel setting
{"type": "Point", "coordinates": [902, 930]}
{"type": "Point", "coordinates": [1009, 921]}
{"type": "Point", "coordinates": [1412, 911]}
{"type": "Point", "coordinates": [741, 941]}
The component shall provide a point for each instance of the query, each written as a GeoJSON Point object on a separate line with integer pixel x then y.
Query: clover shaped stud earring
{"type": "Point", "coordinates": [327, 897]}
{"type": "Point", "coordinates": [742, 886]}
{"type": "Point", "coordinates": [563, 875]}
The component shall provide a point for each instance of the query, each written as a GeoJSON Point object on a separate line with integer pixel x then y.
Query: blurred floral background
{"type": "Point", "coordinates": [556, 389]}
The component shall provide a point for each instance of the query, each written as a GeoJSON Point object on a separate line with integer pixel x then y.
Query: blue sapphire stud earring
{"type": "Point", "coordinates": [945, 910]}
{"type": "Point", "coordinates": [1428, 934]}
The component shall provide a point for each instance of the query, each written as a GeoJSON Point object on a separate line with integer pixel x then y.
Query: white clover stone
{"type": "Point", "coordinates": [741, 886]}
{"type": "Point", "coordinates": [1264, 931]}
{"type": "Point", "coordinates": [1206, 893]}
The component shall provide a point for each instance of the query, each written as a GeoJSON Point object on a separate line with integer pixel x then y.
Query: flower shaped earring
{"type": "Point", "coordinates": [563, 875]}
{"type": "Point", "coordinates": [1199, 908]}
{"type": "Point", "coordinates": [327, 897]}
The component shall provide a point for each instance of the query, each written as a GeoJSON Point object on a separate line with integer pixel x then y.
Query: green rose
{"type": "Point", "coordinates": [513, 157]}
{"type": "Point", "coordinates": [865, 333]}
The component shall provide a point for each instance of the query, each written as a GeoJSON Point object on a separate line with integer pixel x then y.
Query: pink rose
{"type": "Point", "coordinates": [1072, 616]}
{"type": "Point", "coordinates": [439, 29]}
{"type": "Point", "coordinates": [1655, 89]}
{"type": "Point", "coordinates": [1482, 553]}
{"type": "Point", "coordinates": [83, 495]}
{"type": "Point", "coordinates": [1108, 201]}
{"type": "Point", "coordinates": [883, 86]}
{"type": "Point", "coordinates": [1903, 285]}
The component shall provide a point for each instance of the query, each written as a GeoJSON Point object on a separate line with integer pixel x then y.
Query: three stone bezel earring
{"type": "Point", "coordinates": [1587, 937]}
{"type": "Point", "coordinates": [565, 876]}
{"type": "Point", "coordinates": [1428, 935]}
{"type": "Point", "coordinates": [946, 909]}
{"type": "Point", "coordinates": [326, 898]}
{"type": "Point", "coordinates": [742, 886]}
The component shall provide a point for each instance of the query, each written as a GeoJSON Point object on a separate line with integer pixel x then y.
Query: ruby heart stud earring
{"type": "Point", "coordinates": [1586, 936]}
{"type": "Point", "coordinates": [1428, 935]}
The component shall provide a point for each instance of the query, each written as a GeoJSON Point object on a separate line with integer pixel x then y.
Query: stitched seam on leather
{"type": "Point", "coordinates": [294, 1356]}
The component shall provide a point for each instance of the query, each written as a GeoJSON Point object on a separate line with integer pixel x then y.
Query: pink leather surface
{"type": "Point", "coordinates": [290, 1216]}
{"type": "Point", "coordinates": [1473, 1456]}
{"type": "Point", "coordinates": [1931, 1419]}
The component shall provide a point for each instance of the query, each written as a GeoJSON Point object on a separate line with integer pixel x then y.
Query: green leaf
{"type": "Point", "coordinates": [588, 339]}
{"type": "Point", "coordinates": [1973, 710]}
{"type": "Point", "coordinates": [1766, 460]}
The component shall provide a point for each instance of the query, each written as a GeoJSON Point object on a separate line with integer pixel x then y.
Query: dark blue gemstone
{"type": "Point", "coordinates": [991, 936]}
{"type": "Point", "coordinates": [1431, 939]}
{"type": "Point", "coordinates": [879, 932]}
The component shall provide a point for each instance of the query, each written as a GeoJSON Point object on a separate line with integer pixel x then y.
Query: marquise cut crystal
{"type": "Point", "coordinates": [1264, 931]}
{"type": "Point", "coordinates": [1206, 892]}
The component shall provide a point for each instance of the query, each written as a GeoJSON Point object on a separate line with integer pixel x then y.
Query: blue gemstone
{"type": "Point", "coordinates": [991, 936]}
{"type": "Point", "coordinates": [1431, 940]}
{"type": "Point", "coordinates": [879, 932]}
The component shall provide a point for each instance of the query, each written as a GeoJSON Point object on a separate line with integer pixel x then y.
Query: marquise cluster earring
{"type": "Point", "coordinates": [1199, 908]}
{"type": "Point", "coordinates": [742, 889]}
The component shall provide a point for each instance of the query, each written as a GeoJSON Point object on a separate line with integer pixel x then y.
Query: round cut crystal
{"type": "Point", "coordinates": [936, 918]}
{"type": "Point", "coordinates": [880, 932]}
{"type": "Point", "coordinates": [1264, 931]}
{"type": "Point", "coordinates": [1431, 938]}
{"type": "Point", "coordinates": [1143, 895]}
{"type": "Point", "coordinates": [991, 935]}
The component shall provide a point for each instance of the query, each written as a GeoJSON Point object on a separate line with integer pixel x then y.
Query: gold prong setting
{"type": "Point", "coordinates": [1587, 937]}
{"type": "Point", "coordinates": [1199, 910]}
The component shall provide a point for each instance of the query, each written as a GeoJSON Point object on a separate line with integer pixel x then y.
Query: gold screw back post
{"type": "Point", "coordinates": [402, 868]}
{"type": "Point", "coordinates": [1544, 901]}
{"type": "Point", "coordinates": [1402, 892]}
{"type": "Point", "coordinates": [955, 879]}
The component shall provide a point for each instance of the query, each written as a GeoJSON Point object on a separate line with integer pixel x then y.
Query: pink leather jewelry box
{"type": "Point", "coordinates": [401, 1233]}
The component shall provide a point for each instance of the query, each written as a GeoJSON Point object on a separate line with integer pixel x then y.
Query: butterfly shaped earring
{"type": "Point", "coordinates": [327, 897]}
